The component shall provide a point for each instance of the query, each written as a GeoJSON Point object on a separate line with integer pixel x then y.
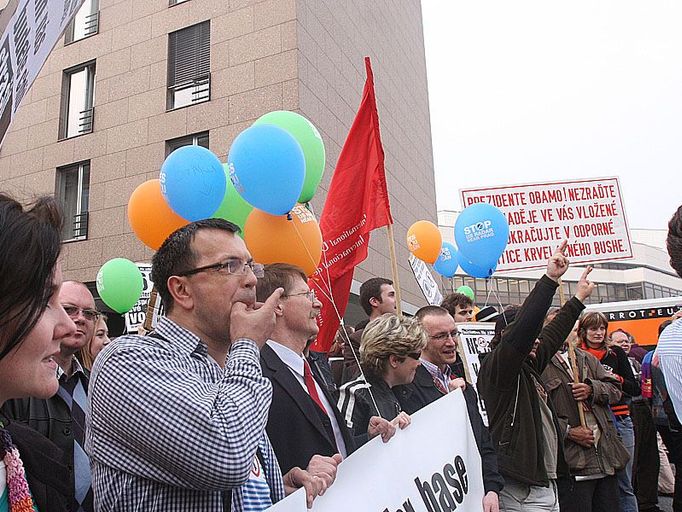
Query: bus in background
{"type": "Point", "coordinates": [640, 318]}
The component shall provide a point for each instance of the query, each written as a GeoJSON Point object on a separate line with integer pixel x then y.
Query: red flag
{"type": "Point", "coordinates": [357, 203]}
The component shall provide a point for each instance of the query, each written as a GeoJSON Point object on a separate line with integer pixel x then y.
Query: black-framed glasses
{"type": "Point", "coordinates": [88, 313]}
{"type": "Point", "coordinates": [310, 295]}
{"type": "Point", "coordinates": [235, 267]}
{"type": "Point", "coordinates": [445, 335]}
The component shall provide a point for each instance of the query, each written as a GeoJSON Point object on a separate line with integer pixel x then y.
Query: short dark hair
{"type": "Point", "coordinates": [175, 254]}
{"type": "Point", "coordinates": [30, 242]}
{"type": "Point", "coordinates": [430, 310]}
{"type": "Point", "coordinates": [663, 325]}
{"type": "Point", "coordinates": [277, 275]}
{"type": "Point", "coordinates": [456, 299]}
{"type": "Point", "coordinates": [674, 241]}
{"type": "Point", "coordinates": [372, 289]}
{"type": "Point", "coordinates": [503, 321]}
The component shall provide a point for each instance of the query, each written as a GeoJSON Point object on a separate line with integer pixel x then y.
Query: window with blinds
{"type": "Point", "coordinates": [189, 65]}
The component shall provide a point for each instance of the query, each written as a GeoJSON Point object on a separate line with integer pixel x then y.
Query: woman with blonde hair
{"type": "Point", "coordinates": [99, 340]}
{"type": "Point", "coordinates": [390, 349]}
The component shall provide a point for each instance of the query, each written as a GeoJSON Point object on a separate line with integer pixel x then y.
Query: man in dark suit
{"type": "Point", "coordinates": [303, 420]}
{"type": "Point", "coordinates": [434, 378]}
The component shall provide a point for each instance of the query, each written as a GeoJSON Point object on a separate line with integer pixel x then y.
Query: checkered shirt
{"type": "Point", "coordinates": [170, 430]}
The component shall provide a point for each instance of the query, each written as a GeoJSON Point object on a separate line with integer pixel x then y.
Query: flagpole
{"type": "Point", "coordinates": [394, 270]}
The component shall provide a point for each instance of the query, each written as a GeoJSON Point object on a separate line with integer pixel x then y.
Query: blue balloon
{"type": "Point", "coordinates": [446, 264]}
{"type": "Point", "coordinates": [267, 168]}
{"type": "Point", "coordinates": [475, 270]}
{"type": "Point", "coordinates": [193, 182]}
{"type": "Point", "coordinates": [481, 233]}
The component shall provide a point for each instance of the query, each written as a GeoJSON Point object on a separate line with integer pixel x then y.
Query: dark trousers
{"type": "Point", "coordinates": [600, 495]}
{"type": "Point", "coordinates": [647, 463]}
{"type": "Point", "coordinates": [673, 442]}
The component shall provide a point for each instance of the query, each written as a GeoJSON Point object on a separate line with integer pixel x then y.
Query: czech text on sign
{"type": "Point", "coordinates": [587, 213]}
{"type": "Point", "coordinates": [26, 42]}
{"type": "Point", "coordinates": [431, 466]}
{"type": "Point", "coordinates": [474, 340]}
{"type": "Point", "coordinates": [425, 280]}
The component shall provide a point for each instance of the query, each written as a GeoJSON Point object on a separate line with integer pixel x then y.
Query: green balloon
{"type": "Point", "coordinates": [466, 290]}
{"type": "Point", "coordinates": [233, 207]}
{"type": "Point", "coordinates": [311, 143]}
{"type": "Point", "coordinates": [119, 284]}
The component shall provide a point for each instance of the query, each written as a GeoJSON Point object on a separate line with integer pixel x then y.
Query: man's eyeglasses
{"type": "Point", "coordinates": [310, 295]}
{"type": "Point", "coordinates": [88, 313]}
{"type": "Point", "coordinates": [445, 335]}
{"type": "Point", "coordinates": [235, 267]}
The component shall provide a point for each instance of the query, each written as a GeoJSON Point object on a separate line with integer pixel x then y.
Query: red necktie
{"type": "Point", "coordinates": [310, 384]}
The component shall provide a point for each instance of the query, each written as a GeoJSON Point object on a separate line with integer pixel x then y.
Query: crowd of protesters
{"type": "Point", "coordinates": [224, 407]}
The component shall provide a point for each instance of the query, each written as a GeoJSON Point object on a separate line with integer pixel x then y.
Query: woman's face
{"type": "Point", "coordinates": [100, 339]}
{"type": "Point", "coordinates": [30, 369]}
{"type": "Point", "coordinates": [596, 335]}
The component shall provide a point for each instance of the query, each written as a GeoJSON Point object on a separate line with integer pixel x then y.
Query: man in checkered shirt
{"type": "Point", "coordinates": [177, 418]}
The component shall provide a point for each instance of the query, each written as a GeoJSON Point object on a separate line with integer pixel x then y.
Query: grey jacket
{"type": "Point", "coordinates": [610, 455]}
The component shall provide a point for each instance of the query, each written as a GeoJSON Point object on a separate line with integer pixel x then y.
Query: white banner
{"type": "Point", "coordinates": [432, 465]}
{"type": "Point", "coordinates": [425, 280]}
{"type": "Point", "coordinates": [474, 339]}
{"type": "Point", "coordinates": [28, 39]}
{"type": "Point", "coordinates": [587, 213]}
{"type": "Point", "coordinates": [138, 313]}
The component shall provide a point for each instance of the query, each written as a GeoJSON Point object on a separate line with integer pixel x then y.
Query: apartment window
{"type": "Point", "coordinates": [189, 65]}
{"type": "Point", "coordinates": [176, 2]}
{"type": "Point", "coordinates": [73, 190]}
{"type": "Point", "coordinates": [84, 24]}
{"type": "Point", "coordinates": [197, 139]}
{"type": "Point", "coordinates": [78, 96]}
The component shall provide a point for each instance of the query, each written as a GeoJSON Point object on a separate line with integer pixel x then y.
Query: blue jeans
{"type": "Point", "coordinates": [628, 500]}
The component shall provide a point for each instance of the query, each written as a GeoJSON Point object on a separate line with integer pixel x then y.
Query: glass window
{"type": "Point", "coordinates": [197, 139]}
{"type": "Point", "coordinates": [73, 190]}
{"type": "Point", "coordinates": [176, 2]}
{"type": "Point", "coordinates": [78, 97]}
{"type": "Point", "coordinates": [84, 24]}
{"type": "Point", "coordinates": [189, 65]}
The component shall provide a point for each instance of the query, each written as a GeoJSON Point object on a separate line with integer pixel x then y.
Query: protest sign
{"type": "Point", "coordinates": [588, 213]}
{"type": "Point", "coordinates": [424, 468]}
{"type": "Point", "coordinates": [425, 280]}
{"type": "Point", "coordinates": [29, 37]}
{"type": "Point", "coordinates": [138, 313]}
{"type": "Point", "coordinates": [474, 339]}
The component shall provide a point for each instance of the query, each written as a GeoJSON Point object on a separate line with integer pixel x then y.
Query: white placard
{"type": "Point", "coordinates": [474, 339]}
{"type": "Point", "coordinates": [588, 213]}
{"type": "Point", "coordinates": [425, 280]}
{"type": "Point", "coordinates": [26, 43]}
{"type": "Point", "coordinates": [432, 464]}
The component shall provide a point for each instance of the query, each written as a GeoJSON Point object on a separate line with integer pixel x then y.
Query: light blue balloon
{"type": "Point", "coordinates": [481, 233]}
{"type": "Point", "coordinates": [475, 270]}
{"type": "Point", "coordinates": [193, 182]}
{"type": "Point", "coordinates": [267, 168]}
{"type": "Point", "coordinates": [446, 264]}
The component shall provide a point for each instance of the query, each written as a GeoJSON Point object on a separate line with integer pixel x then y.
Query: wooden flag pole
{"type": "Point", "coordinates": [149, 316]}
{"type": "Point", "coordinates": [394, 270]}
{"type": "Point", "coordinates": [572, 358]}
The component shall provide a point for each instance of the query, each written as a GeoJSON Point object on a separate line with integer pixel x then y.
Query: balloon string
{"type": "Point", "coordinates": [331, 300]}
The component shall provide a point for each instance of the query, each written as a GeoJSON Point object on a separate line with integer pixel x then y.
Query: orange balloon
{"type": "Point", "coordinates": [276, 239]}
{"type": "Point", "coordinates": [149, 215]}
{"type": "Point", "coordinates": [424, 241]}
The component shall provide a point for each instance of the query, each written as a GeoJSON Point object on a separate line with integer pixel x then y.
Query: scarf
{"type": "Point", "coordinates": [599, 353]}
{"type": "Point", "coordinates": [20, 499]}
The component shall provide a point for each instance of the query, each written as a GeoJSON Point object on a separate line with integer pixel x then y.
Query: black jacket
{"type": "Point", "coordinates": [47, 476]}
{"type": "Point", "coordinates": [295, 428]}
{"type": "Point", "coordinates": [422, 391]}
{"type": "Point", "coordinates": [507, 383]}
{"type": "Point", "coordinates": [357, 407]}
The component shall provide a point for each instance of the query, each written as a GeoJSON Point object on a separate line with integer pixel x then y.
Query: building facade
{"type": "Point", "coordinates": [131, 80]}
